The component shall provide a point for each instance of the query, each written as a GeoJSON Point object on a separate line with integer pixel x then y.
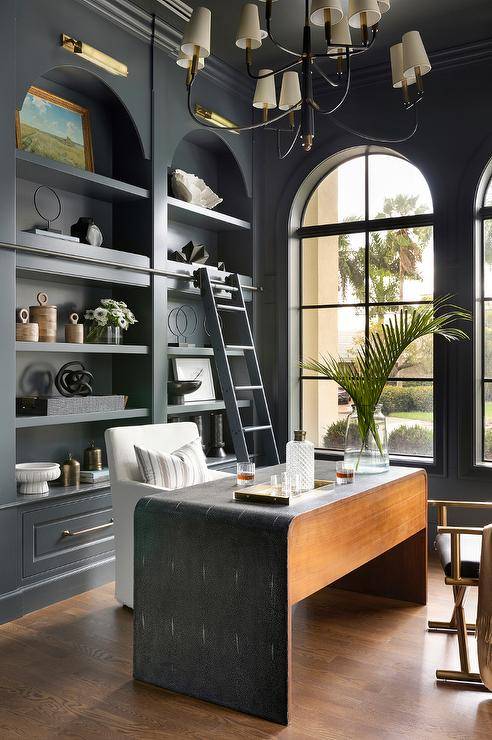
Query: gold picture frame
{"type": "Point", "coordinates": [53, 127]}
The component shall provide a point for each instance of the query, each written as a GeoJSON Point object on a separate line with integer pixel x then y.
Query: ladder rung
{"type": "Point", "coordinates": [227, 307]}
{"type": "Point", "coordinates": [248, 387]}
{"type": "Point", "coordinates": [257, 429]}
{"type": "Point", "coordinates": [218, 285]}
{"type": "Point", "coordinates": [240, 346]}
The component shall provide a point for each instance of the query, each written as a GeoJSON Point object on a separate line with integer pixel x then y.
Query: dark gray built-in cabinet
{"type": "Point", "coordinates": [141, 130]}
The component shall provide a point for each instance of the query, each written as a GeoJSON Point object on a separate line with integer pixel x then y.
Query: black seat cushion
{"type": "Point", "coordinates": [471, 546]}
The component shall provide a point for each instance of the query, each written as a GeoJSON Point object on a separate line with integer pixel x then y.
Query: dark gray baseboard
{"type": "Point", "coordinates": [29, 598]}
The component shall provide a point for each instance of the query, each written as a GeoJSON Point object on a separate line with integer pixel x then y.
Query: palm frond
{"type": "Point", "coordinates": [365, 377]}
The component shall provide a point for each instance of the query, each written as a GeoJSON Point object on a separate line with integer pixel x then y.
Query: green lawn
{"type": "Point", "coordinates": [488, 409]}
{"type": "Point", "coordinates": [415, 415]}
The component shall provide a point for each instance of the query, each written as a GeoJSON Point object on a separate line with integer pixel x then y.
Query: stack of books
{"type": "Point", "coordinates": [94, 476]}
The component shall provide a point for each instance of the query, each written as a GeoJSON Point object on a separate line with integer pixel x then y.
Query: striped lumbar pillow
{"type": "Point", "coordinates": [183, 467]}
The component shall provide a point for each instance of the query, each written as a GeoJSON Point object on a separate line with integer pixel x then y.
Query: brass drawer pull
{"type": "Point", "coordinates": [69, 533]}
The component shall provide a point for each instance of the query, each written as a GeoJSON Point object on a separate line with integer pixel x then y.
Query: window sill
{"type": "Point", "coordinates": [428, 463]}
{"type": "Point", "coordinates": [475, 471]}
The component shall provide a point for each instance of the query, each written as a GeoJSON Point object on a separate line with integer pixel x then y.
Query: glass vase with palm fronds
{"type": "Point", "coordinates": [365, 377]}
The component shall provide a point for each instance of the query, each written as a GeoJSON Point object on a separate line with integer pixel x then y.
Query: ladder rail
{"type": "Point", "coordinates": [213, 305]}
{"type": "Point", "coordinates": [254, 372]}
{"type": "Point", "coordinates": [223, 367]}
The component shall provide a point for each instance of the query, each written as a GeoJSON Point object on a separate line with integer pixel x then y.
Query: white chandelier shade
{"type": "Point", "coordinates": [398, 77]}
{"type": "Point", "coordinates": [323, 11]}
{"type": "Point", "coordinates": [197, 33]}
{"type": "Point", "coordinates": [265, 95]}
{"type": "Point", "coordinates": [340, 34]}
{"type": "Point", "coordinates": [185, 61]}
{"type": "Point", "coordinates": [414, 55]}
{"type": "Point", "coordinates": [290, 92]}
{"type": "Point", "coordinates": [249, 31]}
{"type": "Point", "coordinates": [299, 111]}
{"type": "Point", "coordinates": [364, 13]}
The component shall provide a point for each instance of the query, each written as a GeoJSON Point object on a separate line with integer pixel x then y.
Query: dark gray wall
{"type": "Point", "coordinates": [451, 148]}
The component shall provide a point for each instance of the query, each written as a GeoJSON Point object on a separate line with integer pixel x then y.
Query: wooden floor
{"type": "Point", "coordinates": [363, 668]}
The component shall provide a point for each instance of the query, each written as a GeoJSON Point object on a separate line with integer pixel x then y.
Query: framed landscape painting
{"type": "Point", "coordinates": [55, 128]}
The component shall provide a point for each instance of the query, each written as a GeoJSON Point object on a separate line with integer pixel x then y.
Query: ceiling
{"type": "Point", "coordinates": [442, 23]}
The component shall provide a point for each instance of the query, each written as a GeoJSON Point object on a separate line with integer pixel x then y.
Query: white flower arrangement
{"type": "Point", "coordinates": [109, 313]}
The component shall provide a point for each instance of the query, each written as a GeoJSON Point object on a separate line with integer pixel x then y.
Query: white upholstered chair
{"type": "Point", "coordinates": [127, 486]}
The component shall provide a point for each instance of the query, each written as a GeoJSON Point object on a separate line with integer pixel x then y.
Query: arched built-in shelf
{"type": "Point", "coordinates": [226, 229]}
{"type": "Point", "coordinates": [205, 154]}
{"type": "Point", "coordinates": [117, 193]}
{"type": "Point", "coordinates": [226, 232]}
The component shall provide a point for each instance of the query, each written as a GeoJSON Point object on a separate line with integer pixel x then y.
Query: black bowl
{"type": "Point", "coordinates": [177, 389]}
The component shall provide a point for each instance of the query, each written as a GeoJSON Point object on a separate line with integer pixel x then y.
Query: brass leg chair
{"type": "Point", "coordinates": [459, 550]}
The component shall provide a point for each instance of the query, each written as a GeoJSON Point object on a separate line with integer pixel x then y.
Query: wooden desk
{"type": "Point", "coordinates": [215, 580]}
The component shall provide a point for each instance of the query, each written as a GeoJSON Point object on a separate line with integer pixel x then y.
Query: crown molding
{"type": "Point", "coordinates": [138, 22]}
{"type": "Point", "coordinates": [125, 14]}
{"type": "Point", "coordinates": [476, 51]}
{"type": "Point", "coordinates": [178, 7]}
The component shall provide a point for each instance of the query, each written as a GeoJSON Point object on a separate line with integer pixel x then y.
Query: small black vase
{"type": "Point", "coordinates": [216, 449]}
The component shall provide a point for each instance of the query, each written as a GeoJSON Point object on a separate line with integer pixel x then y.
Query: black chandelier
{"type": "Point", "coordinates": [409, 63]}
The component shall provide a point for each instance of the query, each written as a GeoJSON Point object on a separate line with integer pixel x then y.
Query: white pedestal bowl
{"type": "Point", "coordinates": [33, 477]}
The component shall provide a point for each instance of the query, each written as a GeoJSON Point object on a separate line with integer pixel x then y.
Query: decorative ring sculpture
{"type": "Point", "coordinates": [182, 322]}
{"type": "Point", "coordinates": [72, 379]}
{"type": "Point", "coordinates": [49, 221]}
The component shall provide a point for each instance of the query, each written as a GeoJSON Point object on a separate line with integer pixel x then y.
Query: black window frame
{"type": "Point", "coordinates": [484, 214]}
{"type": "Point", "coordinates": [366, 226]}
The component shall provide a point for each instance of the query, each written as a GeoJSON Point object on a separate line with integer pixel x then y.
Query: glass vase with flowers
{"type": "Point", "coordinates": [107, 322]}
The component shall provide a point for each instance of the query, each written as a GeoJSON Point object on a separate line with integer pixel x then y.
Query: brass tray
{"type": "Point", "coordinates": [263, 493]}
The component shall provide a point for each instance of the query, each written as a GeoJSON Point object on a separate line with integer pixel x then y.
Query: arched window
{"type": "Point", "coordinates": [366, 250]}
{"type": "Point", "coordinates": [484, 319]}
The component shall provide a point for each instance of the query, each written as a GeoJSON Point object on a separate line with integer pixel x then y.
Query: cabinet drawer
{"type": "Point", "coordinates": [61, 534]}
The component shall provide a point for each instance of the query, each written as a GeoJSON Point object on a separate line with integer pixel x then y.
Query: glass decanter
{"type": "Point", "coordinates": [300, 460]}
